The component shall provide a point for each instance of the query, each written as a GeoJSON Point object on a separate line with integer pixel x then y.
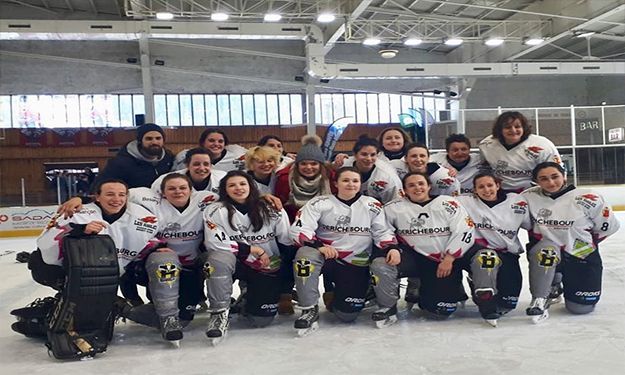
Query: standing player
{"type": "Point", "coordinates": [224, 156]}
{"type": "Point", "coordinates": [459, 158]}
{"type": "Point", "coordinates": [199, 169]}
{"type": "Point", "coordinates": [493, 262]}
{"type": "Point", "coordinates": [244, 236]}
{"type": "Point", "coordinates": [335, 233]}
{"type": "Point", "coordinates": [512, 151]}
{"type": "Point", "coordinates": [568, 224]}
{"type": "Point", "coordinates": [417, 160]}
{"type": "Point", "coordinates": [379, 179]}
{"type": "Point", "coordinates": [434, 231]}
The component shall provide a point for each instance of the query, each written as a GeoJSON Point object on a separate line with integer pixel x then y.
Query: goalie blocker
{"type": "Point", "coordinates": [82, 322]}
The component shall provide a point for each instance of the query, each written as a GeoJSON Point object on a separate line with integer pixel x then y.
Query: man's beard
{"type": "Point", "coordinates": [152, 150]}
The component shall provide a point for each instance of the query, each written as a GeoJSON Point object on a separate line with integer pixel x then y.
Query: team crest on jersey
{"type": "Point", "coordinates": [587, 200]}
{"type": "Point", "coordinates": [417, 222]}
{"type": "Point", "coordinates": [167, 273]}
{"type": "Point", "coordinates": [239, 162]}
{"type": "Point", "coordinates": [533, 151]}
{"type": "Point", "coordinates": [210, 225]}
{"type": "Point", "coordinates": [544, 213]}
{"type": "Point", "coordinates": [606, 212]}
{"type": "Point", "coordinates": [450, 206]}
{"type": "Point", "coordinates": [519, 207]}
{"type": "Point", "coordinates": [343, 221]}
{"type": "Point", "coordinates": [378, 186]}
{"type": "Point", "coordinates": [501, 165]}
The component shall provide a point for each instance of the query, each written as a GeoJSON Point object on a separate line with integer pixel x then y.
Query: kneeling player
{"type": "Point", "coordinates": [493, 262]}
{"type": "Point", "coordinates": [86, 267]}
{"type": "Point", "coordinates": [435, 232]}
{"type": "Point", "coordinates": [568, 224]}
{"type": "Point", "coordinates": [335, 234]}
{"type": "Point", "coordinates": [243, 236]}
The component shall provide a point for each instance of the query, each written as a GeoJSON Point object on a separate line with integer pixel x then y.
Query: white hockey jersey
{"type": "Point", "coordinates": [263, 189]}
{"type": "Point", "coordinates": [497, 227]}
{"type": "Point", "coordinates": [134, 233]}
{"type": "Point", "coordinates": [514, 167]}
{"type": "Point", "coordinates": [220, 236]}
{"type": "Point", "coordinates": [182, 231]}
{"type": "Point", "coordinates": [383, 184]}
{"type": "Point", "coordinates": [442, 182]}
{"type": "Point", "coordinates": [349, 229]}
{"type": "Point", "coordinates": [440, 227]}
{"type": "Point", "coordinates": [577, 220]}
{"type": "Point", "coordinates": [213, 183]}
{"type": "Point", "coordinates": [466, 174]}
{"type": "Point", "coordinates": [233, 160]}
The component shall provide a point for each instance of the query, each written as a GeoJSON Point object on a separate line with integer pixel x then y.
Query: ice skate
{"type": "Point", "coordinates": [307, 323]}
{"type": "Point", "coordinates": [385, 317]}
{"type": "Point", "coordinates": [171, 330]}
{"type": "Point", "coordinates": [538, 310]}
{"type": "Point", "coordinates": [555, 295]}
{"type": "Point", "coordinates": [412, 293]}
{"type": "Point", "coordinates": [484, 297]}
{"type": "Point", "coordinates": [31, 320]}
{"type": "Point", "coordinates": [217, 326]}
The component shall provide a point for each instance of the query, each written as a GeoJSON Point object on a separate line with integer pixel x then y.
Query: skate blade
{"type": "Point", "coordinates": [537, 319]}
{"type": "Point", "coordinates": [491, 322]}
{"type": "Point", "coordinates": [303, 332]}
{"type": "Point", "coordinates": [175, 344]}
{"type": "Point", "coordinates": [214, 341]}
{"type": "Point", "coordinates": [386, 322]}
{"type": "Point", "coordinates": [554, 301]}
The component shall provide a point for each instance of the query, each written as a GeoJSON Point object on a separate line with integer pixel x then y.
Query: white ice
{"type": "Point", "coordinates": [565, 344]}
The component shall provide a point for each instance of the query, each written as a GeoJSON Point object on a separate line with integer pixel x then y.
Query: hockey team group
{"type": "Point", "coordinates": [276, 222]}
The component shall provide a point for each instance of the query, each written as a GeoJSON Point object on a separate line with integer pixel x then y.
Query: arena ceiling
{"type": "Point", "coordinates": [570, 29]}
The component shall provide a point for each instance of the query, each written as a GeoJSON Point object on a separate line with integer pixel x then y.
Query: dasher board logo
{"type": "Point", "coordinates": [26, 218]}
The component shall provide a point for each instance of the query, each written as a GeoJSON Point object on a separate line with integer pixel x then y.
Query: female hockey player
{"type": "Point", "coordinates": [261, 163]}
{"type": "Point", "coordinates": [512, 151]}
{"type": "Point", "coordinates": [392, 141]}
{"type": "Point", "coordinates": [493, 262]}
{"type": "Point", "coordinates": [335, 233]}
{"type": "Point", "coordinates": [417, 160]}
{"type": "Point", "coordinates": [276, 143]}
{"type": "Point", "coordinates": [568, 224]}
{"type": "Point", "coordinates": [308, 177]}
{"type": "Point", "coordinates": [459, 159]}
{"type": "Point", "coordinates": [378, 178]}
{"type": "Point", "coordinates": [133, 230]}
{"type": "Point", "coordinates": [224, 156]}
{"type": "Point", "coordinates": [434, 232]}
{"type": "Point", "coordinates": [243, 236]}
{"type": "Point", "coordinates": [199, 169]}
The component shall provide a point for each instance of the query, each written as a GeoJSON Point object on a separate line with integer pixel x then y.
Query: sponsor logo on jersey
{"type": "Point", "coordinates": [343, 220]}
{"type": "Point", "coordinates": [151, 199]}
{"type": "Point", "coordinates": [544, 213]}
{"type": "Point", "coordinates": [210, 225]}
{"type": "Point", "coordinates": [344, 229]}
{"type": "Point", "coordinates": [487, 224]}
{"type": "Point", "coordinates": [423, 231]}
{"type": "Point", "coordinates": [265, 237]}
{"type": "Point", "coordinates": [184, 235]}
{"type": "Point", "coordinates": [587, 200]}
{"type": "Point", "coordinates": [126, 253]}
{"type": "Point", "coordinates": [417, 222]}
{"type": "Point", "coordinates": [533, 151]}
{"type": "Point", "coordinates": [375, 207]}
{"type": "Point", "coordinates": [450, 206]}
{"type": "Point", "coordinates": [206, 201]}
{"type": "Point", "coordinates": [378, 186]}
{"type": "Point", "coordinates": [149, 219]}
{"type": "Point", "coordinates": [606, 212]}
{"type": "Point", "coordinates": [146, 224]}
{"type": "Point", "coordinates": [519, 207]}
{"type": "Point", "coordinates": [444, 183]}
{"type": "Point", "coordinates": [469, 221]}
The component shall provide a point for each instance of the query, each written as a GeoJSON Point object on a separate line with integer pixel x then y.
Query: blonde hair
{"type": "Point", "coordinates": [260, 153]}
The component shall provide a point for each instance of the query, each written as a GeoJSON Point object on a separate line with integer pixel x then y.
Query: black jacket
{"type": "Point", "coordinates": [130, 167]}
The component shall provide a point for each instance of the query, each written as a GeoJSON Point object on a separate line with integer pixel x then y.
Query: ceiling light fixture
{"type": "Point", "coordinates": [272, 17]}
{"type": "Point", "coordinates": [164, 16]}
{"type": "Point", "coordinates": [219, 16]}
{"type": "Point", "coordinates": [388, 53]}
{"type": "Point", "coordinates": [371, 42]}
{"type": "Point", "coordinates": [453, 41]}
{"type": "Point", "coordinates": [533, 41]}
{"type": "Point", "coordinates": [412, 42]}
{"type": "Point", "coordinates": [494, 42]}
{"type": "Point", "coordinates": [326, 17]}
{"type": "Point", "coordinates": [583, 33]}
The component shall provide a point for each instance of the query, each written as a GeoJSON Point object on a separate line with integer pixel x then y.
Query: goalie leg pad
{"type": "Point", "coordinates": [81, 324]}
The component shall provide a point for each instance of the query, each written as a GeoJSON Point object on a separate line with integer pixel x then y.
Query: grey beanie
{"type": "Point", "coordinates": [310, 149]}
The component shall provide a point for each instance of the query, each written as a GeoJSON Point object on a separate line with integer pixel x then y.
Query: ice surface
{"type": "Point", "coordinates": [565, 344]}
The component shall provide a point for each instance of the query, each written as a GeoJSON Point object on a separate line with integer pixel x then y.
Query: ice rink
{"type": "Point", "coordinates": [564, 344]}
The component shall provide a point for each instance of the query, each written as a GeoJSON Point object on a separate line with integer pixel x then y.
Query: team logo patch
{"type": "Point", "coordinates": [469, 221]}
{"type": "Point", "coordinates": [450, 206]}
{"type": "Point", "coordinates": [208, 270]}
{"type": "Point", "coordinates": [544, 213]}
{"type": "Point", "coordinates": [149, 219]}
{"type": "Point", "coordinates": [533, 151]}
{"type": "Point", "coordinates": [548, 257]}
{"type": "Point", "coordinates": [519, 207]}
{"type": "Point", "coordinates": [167, 273]}
{"type": "Point", "coordinates": [445, 182]}
{"type": "Point", "coordinates": [417, 222]}
{"type": "Point", "coordinates": [303, 268]}
{"type": "Point", "coordinates": [488, 260]}
{"type": "Point", "coordinates": [343, 220]}
{"type": "Point", "coordinates": [605, 212]}
{"type": "Point", "coordinates": [378, 186]}
{"type": "Point", "coordinates": [375, 280]}
{"type": "Point", "coordinates": [211, 225]}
